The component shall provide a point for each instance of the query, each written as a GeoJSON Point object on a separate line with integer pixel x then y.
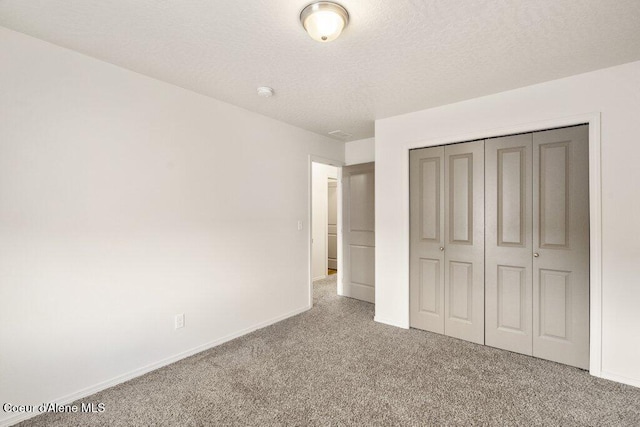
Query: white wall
{"type": "Point", "coordinates": [615, 92]}
{"type": "Point", "coordinates": [360, 151]}
{"type": "Point", "coordinates": [124, 201]}
{"type": "Point", "coordinates": [321, 174]}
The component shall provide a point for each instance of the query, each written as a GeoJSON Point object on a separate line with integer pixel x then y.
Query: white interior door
{"type": "Point", "coordinates": [358, 209]}
{"type": "Point", "coordinates": [464, 241]}
{"type": "Point", "coordinates": [508, 243]}
{"type": "Point", "coordinates": [426, 265]}
{"type": "Point", "coordinates": [561, 245]}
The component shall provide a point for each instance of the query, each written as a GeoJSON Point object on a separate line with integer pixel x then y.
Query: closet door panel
{"type": "Point", "coordinates": [426, 272]}
{"type": "Point", "coordinates": [561, 246]}
{"type": "Point", "coordinates": [508, 258]}
{"type": "Point", "coordinates": [464, 241]}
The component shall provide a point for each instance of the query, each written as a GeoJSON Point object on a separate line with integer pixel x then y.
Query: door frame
{"type": "Point", "coordinates": [595, 210]}
{"type": "Point", "coordinates": [338, 164]}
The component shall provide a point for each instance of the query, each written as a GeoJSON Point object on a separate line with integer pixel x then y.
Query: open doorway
{"type": "Point", "coordinates": [324, 224]}
{"type": "Point", "coordinates": [342, 231]}
{"type": "Point", "coordinates": [332, 226]}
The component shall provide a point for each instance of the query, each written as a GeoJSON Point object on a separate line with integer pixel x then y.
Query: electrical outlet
{"type": "Point", "coordinates": [179, 321]}
{"type": "Point", "coordinates": [299, 225]}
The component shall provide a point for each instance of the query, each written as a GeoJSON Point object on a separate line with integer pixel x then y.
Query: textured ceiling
{"type": "Point", "coordinates": [395, 57]}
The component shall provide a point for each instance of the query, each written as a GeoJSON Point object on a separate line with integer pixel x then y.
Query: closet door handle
{"type": "Point", "coordinates": [441, 249]}
{"type": "Point", "coordinates": [536, 255]}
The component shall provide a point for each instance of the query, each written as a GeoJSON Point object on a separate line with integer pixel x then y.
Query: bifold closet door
{"type": "Point", "coordinates": [464, 241]}
{"type": "Point", "coordinates": [561, 245]}
{"type": "Point", "coordinates": [519, 278]}
{"type": "Point", "coordinates": [537, 244]}
{"type": "Point", "coordinates": [447, 240]}
{"type": "Point", "coordinates": [426, 265]}
{"type": "Point", "coordinates": [508, 243]}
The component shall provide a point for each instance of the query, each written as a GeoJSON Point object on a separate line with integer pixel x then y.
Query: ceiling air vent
{"type": "Point", "coordinates": [340, 134]}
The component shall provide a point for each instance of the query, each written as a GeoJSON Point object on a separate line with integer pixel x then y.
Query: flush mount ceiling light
{"type": "Point", "coordinates": [324, 20]}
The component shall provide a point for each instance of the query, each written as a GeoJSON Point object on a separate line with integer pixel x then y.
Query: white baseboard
{"type": "Point", "coordinates": [390, 322]}
{"type": "Point", "coordinates": [620, 379]}
{"type": "Point", "coordinates": [319, 278]}
{"type": "Point", "coordinates": [151, 367]}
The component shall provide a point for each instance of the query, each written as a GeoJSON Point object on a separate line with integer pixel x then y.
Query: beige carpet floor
{"type": "Point", "coordinates": [333, 365]}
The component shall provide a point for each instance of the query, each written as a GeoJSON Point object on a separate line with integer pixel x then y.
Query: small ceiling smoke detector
{"type": "Point", "coordinates": [324, 20]}
{"type": "Point", "coordinates": [265, 92]}
{"type": "Point", "coordinates": [340, 134]}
